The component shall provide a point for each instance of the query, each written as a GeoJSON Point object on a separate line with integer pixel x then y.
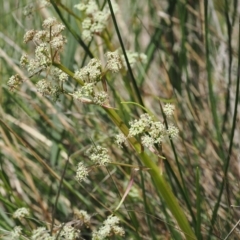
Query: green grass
{"type": "Point", "coordinates": [192, 61]}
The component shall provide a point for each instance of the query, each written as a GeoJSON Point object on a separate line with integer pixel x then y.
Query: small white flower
{"type": "Point", "coordinates": [96, 19]}
{"type": "Point", "coordinates": [172, 131]}
{"type": "Point", "coordinates": [90, 73]}
{"type": "Point", "coordinates": [111, 220]}
{"type": "Point", "coordinates": [110, 226]}
{"type": "Point", "coordinates": [41, 233]}
{"type": "Point", "coordinates": [83, 216]}
{"type": "Point", "coordinates": [100, 98]}
{"type": "Point", "coordinates": [82, 172]}
{"type": "Point", "coordinates": [141, 125]}
{"type": "Point", "coordinates": [81, 6]}
{"type": "Point", "coordinates": [87, 35]}
{"type": "Point", "coordinates": [120, 139]}
{"type": "Point", "coordinates": [41, 36]}
{"type": "Point", "coordinates": [169, 109]}
{"type": "Point", "coordinates": [69, 232]}
{"type": "Point", "coordinates": [58, 42]}
{"type": "Point", "coordinates": [114, 63]}
{"type": "Point", "coordinates": [86, 24]}
{"type": "Point", "coordinates": [147, 141]}
{"type": "Point", "coordinates": [29, 35]}
{"type": "Point", "coordinates": [15, 233]}
{"type": "Point", "coordinates": [98, 155]}
{"type": "Point", "coordinates": [157, 129]}
{"type": "Point", "coordinates": [91, 8]}
{"type": "Point", "coordinates": [58, 28]}
{"type": "Point", "coordinates": [21, 213]}
{"type": "Point", "coordinates": [43, 56]}
{"type": "Point", "coordinates": [14, 81]}
{"type": "Point", "coordinates": [44, 87]}
{"type": "Point", "coordinates": [34, 66]}
{"type": "Point", "coordinates": [49, 22]}
{"type": "Point", "coordinates": [45, 3]}
{"type": "Point", "coordinates": [84, 91]}
{"type": "Point", "coordinates": [63, 77]}
{"type": "Point", "coordinates": [137, 127]}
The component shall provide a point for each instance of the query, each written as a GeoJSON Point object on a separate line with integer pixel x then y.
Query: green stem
{"type": "Point", "coordinates": [155, 172]}
{"type": "Point", "coordinates": [158, 178]}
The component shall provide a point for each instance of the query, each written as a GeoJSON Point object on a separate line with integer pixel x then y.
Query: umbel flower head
{"type": "Point", "coordinates": [21, 213]}
{"type": "Point", "coordinates": [14, 81]}
{"type": "Point", "coordinates": [83, 216]}
{"type": "Point", "coordinates": [169, 109]}
{"type": "Point", "coordinates": [41, 233]}
{"type": "Point", "coordinates": [114, 61]}
{"type": "Point", "coordinates": [82, 172]}
{"type": "Point", "coordinates": [49, 44]}
{"type": "Point", "coordinates": [98, 155]}
{"type": "Point", "coordinates": [90, 73]}
{"type": "Point", "coordinates": [14, 234]}
{"type": "Point", "coordinates": [95, 19]}
{"type": "Point", "coordinates": [149, 131]}
{"type": "Point", "coordinates": [110, 227]}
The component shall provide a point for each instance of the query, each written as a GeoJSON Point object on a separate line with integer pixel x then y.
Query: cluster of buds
{"type": "Point", "coordinates": [110, 228]}
{"type": "Point", "coordinates": [91, 74]}
{"type": "Point", "coordinates": [98, 155]}
{"type": "Point", "coordinates": [95, 20]}
{"type": "Point", "coordinates": [94, 72]}
{"type": "Point", "coordinates": [150, 132]}
{"type": "Point", "coordinates": [49, 44]}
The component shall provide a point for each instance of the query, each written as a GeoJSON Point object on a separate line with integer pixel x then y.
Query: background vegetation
{"type": "Point", "coordinates": [192, 50]}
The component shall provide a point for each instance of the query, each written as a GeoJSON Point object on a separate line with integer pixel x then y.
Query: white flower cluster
{"type": "Point", "coordinates": [169, 109]}
{"type": "Point", "coordinates": [21, 213]}
{"type": "Point", "coordinates": [65, 232]}
{"type": "Point", "coordinates": [90, 73]}
{"type": "Point", "coordinates": [49, 41]}
{"type": "Point", "coordinates": [110, 227]}
{"type": "Point", "coordinates": [114, 61]}
{"type": "Point", "coordinates": [41, 233]}
{"type": "Point", "coordinates": [93, 73]}
{"type": "Point", "coordinates": [82, 172]}
{"type": "Point", "coordinates": [86, 94]}
{"type": "Point", "coordinates": [96, 20]}
{"type": "Point", "coordinates": [14, 81]}
{"type": "Point", "coordinates": [120, 139]}
{"type": "Point", "coordinates": [69, 232]}
{"type": "Point", "coordinates": [46, 88]}
{"type": "Point", "coordinates": [98, 155]}
{"type": "Point", "coordinates": [11, 235]}
{"type": "Point", "coordinates": [100, 98]}
{"type": "Point", "coordinates": [49, 44]}
{"type": "Point", "coordinates": [150, 131]}
{"type": "Point", "coordinates": [141, 125]}
{"type": "Point", "coordinates": [83, 216]}
{"type": "Point", "coordinates": [45, 3]}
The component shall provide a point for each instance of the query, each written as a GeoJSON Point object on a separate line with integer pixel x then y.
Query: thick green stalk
{"type": "Point", "coordinates": [158, 178]}
{"type": "Point", "coordinates": [155, 172]}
